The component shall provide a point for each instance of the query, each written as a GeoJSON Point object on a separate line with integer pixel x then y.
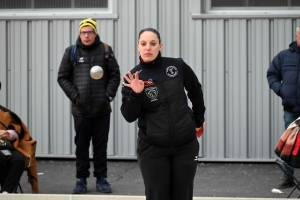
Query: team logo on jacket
{"type": "Point", "coordinates": [81, 60]}
{"type": "Point", "coordinates": [149, 82]}
{"type": "Point", "coordinates": [171, 71]}
{"type": "Point", "coordinates": [152, 93]}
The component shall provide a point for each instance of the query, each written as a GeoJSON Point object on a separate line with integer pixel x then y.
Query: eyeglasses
{"type": "Point", "coordinates": [87, 32]}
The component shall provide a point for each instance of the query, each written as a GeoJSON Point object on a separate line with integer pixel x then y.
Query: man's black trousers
{"type": "Point", "coordinates": [95, 129]}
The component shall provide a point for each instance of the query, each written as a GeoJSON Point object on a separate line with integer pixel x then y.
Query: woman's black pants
{"type": "Point", "coordinates": [168, 173]}
{"type": "Point", "coordinates": [11, 170]}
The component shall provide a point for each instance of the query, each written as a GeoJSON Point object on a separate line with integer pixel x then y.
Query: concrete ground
{"type": "Point", "coordinates": [213, 180]}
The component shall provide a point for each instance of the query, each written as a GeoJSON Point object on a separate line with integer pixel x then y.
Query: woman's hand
{"type": "Point", "coordinates": [199, 130]}
{"type": "Point", "coordinates": [134, 83]}
{"type": "Point", "coordinates": [4, 134]}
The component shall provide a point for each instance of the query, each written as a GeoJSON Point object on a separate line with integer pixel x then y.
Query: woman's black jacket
{"type": "Point", "coordinates": [164, 117]}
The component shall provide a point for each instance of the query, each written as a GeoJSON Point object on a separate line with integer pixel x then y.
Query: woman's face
{"type": "Point", "coordinates": [149, 46]}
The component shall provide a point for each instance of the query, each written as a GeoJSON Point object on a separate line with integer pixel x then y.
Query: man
{"type": "Point", "coordinates": [17, 152]}
{"type": "Point", "coordinates": [90, 96]}
{"type": "Point", "coordinates": [284, 78]}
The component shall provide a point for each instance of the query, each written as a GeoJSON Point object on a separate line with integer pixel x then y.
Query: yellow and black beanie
{"type": "Point", "coordinates": [88, 22]}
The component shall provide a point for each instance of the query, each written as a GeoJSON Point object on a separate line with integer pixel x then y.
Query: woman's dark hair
{"type": "Point", "coordinates": [151, 30]}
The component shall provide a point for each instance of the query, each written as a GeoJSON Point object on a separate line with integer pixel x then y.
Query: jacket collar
{"type": "Point", "coordinates": [96, 43]}
{"type": "Point", "coordinates": [294, 47]}
{"type": "Point", "coordinates": [152, 63]}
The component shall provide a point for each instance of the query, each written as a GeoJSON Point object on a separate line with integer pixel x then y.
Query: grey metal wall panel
{"type": "Point", "coordinates": [127, 57]}
{"type": "Point", "coordinates": [61, 126]}
{"type": "Point", "coordinates": [147, 13]}
{"type": "Point", "coordinates": [3, 64]}
{"type": "Point", "coordinates": [258, 90]}
{"type": "Point", "coordinates": [236, 106]}
{"type": "Point", "coordinates": [170, 27]}
{"type": "Point", "coordinates": [230, 56]}
{"type": "Point", "coordinates": [39, 84]}
{"type": "Point", "coordinates": [18, 68]}
{"type": "Point", "coordinates": [213, 87]}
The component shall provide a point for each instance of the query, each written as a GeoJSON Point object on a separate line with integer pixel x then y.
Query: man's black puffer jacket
{"type": "Point", "coordinates": [93, 95]}
{"type": "Point", "coordinates": [284, 77]}
{"type": "Point", "coordinates": [164, 117]}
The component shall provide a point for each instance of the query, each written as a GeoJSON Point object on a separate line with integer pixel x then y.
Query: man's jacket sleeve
{"type": "Point", "coordinates": [64, 78]}
{"type": "Point", "coordinates": [274, 75]}
{"type": "Point", "coordinates": [113, 75]}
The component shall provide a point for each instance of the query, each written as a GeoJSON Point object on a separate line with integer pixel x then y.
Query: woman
{"type": "Point", "coordinates": [17, 152]}
{"type": "Point", "coordinates": [154, 93]}
{"type": "Point", "coordinates": [12, 162]}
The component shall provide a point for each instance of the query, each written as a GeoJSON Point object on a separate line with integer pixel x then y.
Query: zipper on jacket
{"type": "Point", "coordinates": [168, 111]}
{"type": "Point", "coordinates": [91, 90]}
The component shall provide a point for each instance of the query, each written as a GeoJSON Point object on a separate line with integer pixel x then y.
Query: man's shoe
{"type": "Point", "coordinates": [286, 183]}
{"type": "Point", "coordinates": [102, 185]}
{"type": "Point", "coordinates": [81, 186]}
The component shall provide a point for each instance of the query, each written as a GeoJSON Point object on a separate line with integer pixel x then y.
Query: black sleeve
{"type": "Point", "coordinates": [64, 77]}
{"type": "Point", "coordinates": [195, 94]}
{"type": "Point", "coordinates": [114, 79]}
{"type": "Point", "coordinates": [274, 75]}
{"type": "Point", "coordinates": [131, 104]}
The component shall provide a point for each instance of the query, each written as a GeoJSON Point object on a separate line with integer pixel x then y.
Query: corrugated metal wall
{"type": "Point", "coordinates": [230, 55]}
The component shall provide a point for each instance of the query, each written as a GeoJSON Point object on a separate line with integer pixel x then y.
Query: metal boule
{"type": "Point", "coordinates": [96, 72]}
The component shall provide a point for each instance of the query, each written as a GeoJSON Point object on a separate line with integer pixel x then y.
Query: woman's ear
{"type": "Point", "coordinates": [161, 45]}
